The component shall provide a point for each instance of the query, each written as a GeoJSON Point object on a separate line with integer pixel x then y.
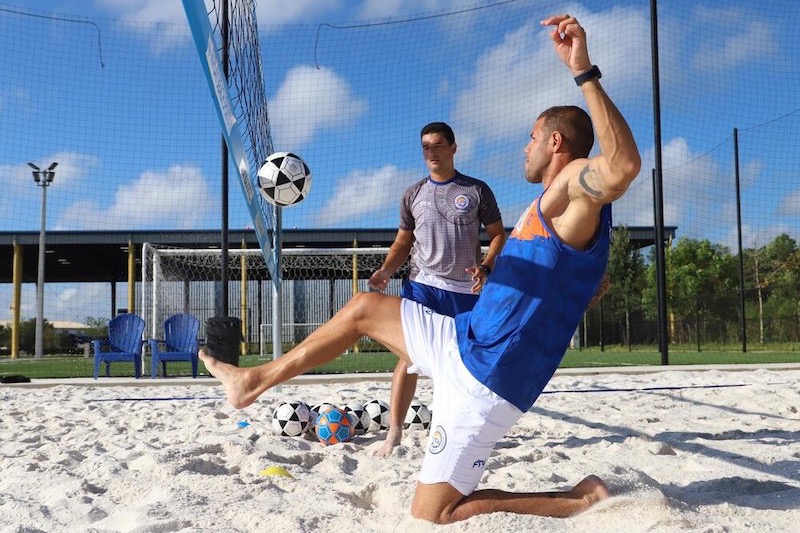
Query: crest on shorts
{"type": "Point", "coordinates": [438, 440]}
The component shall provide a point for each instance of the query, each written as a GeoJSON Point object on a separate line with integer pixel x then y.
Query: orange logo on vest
{"type": "Point", "coordinates": [530, 225]}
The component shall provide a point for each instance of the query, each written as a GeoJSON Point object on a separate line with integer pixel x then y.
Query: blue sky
{"type": "Point", "coordinates": [351, 101]}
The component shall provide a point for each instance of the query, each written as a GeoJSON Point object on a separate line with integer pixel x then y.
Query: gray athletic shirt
{"type": "Point", "coordinates": [446, 220]}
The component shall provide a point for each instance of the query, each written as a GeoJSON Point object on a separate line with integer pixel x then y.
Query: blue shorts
{"type": "Point", "coordinates": [468, 418]}
{"type": "Point", "coordinates": [443, 302]}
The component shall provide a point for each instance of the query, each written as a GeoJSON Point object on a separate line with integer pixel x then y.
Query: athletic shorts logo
{"type": "Point", "coordinates": [438, 440]}
{"type": "Point", "coordinates": [480, 463]}
{"type": "Point", "coordinates": [461, 202]}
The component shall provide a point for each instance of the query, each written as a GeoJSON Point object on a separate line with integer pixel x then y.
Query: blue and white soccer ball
{"type": "Point", "coordinates": [284, 179]}
{"type": "Point", "coordinates": [317, 410]}
{"type": "Point", "coordinates": [290, 419]}
{"type": "Point", "coordinates": [334, 427]}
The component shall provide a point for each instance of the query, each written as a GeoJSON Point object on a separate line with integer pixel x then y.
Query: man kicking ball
{"type": "Point", "coordinates": [488, 366]}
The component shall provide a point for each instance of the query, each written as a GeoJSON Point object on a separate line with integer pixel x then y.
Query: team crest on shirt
{"type": "Point", "coordinates": [461, 202]}
{"type": "Point", "coordinates": [438, 440]}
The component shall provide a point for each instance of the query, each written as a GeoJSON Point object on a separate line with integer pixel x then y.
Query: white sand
{"type": "Point", "coordinates": [700, 451]}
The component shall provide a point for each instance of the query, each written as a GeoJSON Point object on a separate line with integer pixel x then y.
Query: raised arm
{"type": "Point", "coordinates": [607, 176]}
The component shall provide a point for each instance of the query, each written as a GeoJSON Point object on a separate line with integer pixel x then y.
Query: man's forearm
{"type": "Point", "coordinates": [494, 249]}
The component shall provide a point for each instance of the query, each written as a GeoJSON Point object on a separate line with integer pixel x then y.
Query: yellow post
{"type": "Point", "coordinates": [16, 299]}
{"type": "Point", "coordinates": [356, 348]}
{"type": "Point", "coordinates": [131, 278]}
{"type": "Point", "coordinates": [243, 308]}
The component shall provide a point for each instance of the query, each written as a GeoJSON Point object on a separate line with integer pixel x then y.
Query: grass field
{"type": "Point", "coordinates": [81, 367]}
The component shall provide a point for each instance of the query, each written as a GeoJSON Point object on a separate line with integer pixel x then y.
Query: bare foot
{"type": "Point", "coordinates": [240, 387]}
{"type": "Point", "coordinates": [392, 439]}
{"type": "Point", "coordinates": [592, 489]}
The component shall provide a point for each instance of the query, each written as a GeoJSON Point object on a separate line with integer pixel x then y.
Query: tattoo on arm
{"type": "Point", "coordinates": [588, 174]}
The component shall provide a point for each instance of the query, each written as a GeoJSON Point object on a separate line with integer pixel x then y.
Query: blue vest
{"type": "Point", "coordinates": [516, 335]}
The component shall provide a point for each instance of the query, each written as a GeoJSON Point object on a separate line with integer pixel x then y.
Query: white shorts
{"type": "Point", "coordinates": [468, 418]}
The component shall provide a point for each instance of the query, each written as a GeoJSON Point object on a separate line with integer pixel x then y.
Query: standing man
{"type": "Point", "coordinates": [440, 222]}
{"type": "Point", "coordinates": [490, 364]}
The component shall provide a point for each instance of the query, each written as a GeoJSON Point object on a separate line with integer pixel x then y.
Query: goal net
{"type": "Point", "coordinates": [316, 283]}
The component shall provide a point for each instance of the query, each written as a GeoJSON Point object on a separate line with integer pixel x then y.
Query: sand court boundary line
{"type": "Point", "coordinates": [314, 379]}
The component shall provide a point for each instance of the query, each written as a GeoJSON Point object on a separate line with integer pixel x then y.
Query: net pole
{"type": "Point", "coordinates": [277, 286]}
{"type": "Point", "coordinates": [156, 276]}
{"type": "Point", "coordinates": [355, 282]}
{"type": "Point", "coordinates": [743, 320]}
{"type": "Point", "coordinates": [243, 299]}
{"type": "Point", "coordinates": [144, 288]}
{"type": "Point", "coordinates": [224, 160]}
{"type": "Point", "coordinates": [658, 191]}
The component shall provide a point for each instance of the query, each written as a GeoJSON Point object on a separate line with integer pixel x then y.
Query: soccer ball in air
{"type": "Point", "coordinates": [418, 417]}
{"type": "Point", "coordinates": [290, 419]}
{"type": "Point", "coordinates": [378, 412]}
{"type": "Point", "coordinates": [284, 179]}
{"type": "Point", "coordinates": [358, 416]}
{"type": "Point", "coordinates": [334, 426]}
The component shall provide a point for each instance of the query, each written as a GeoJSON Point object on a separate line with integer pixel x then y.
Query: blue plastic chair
{"type": "Point", "coordinates": [180, 343]}
{"type": "Point", "coordinates": [124, 344]}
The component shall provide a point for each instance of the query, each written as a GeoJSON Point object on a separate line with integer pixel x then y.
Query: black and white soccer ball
{"type": "Point", "coordinates": [290, 419]}
{"type": "Point", "coordinates": [284, 179]}
{"type": "Point", "coordinates": [359, 417]}
{"type": "Point", "coordinates": [378, 412]}
{"type": "Point", "coordinates": [418, 417]}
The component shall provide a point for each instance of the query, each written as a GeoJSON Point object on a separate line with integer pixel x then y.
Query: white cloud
{"type": "Point", "coordinates": [370, 190]}
{"type": "Point", "coordinates": [744, 40]}
{"type": "Point", "coordinates": [20, 195]}
{"type": "Point", "coordinates": [372, 9]}
{"type": "Point", "coordinates": [294, 11]}
{"type": "Point", "coordinates": [146, 10]}
{"type": "Point", "coordinates": [522, 76]}
{"type": "Point", "coordinates": [158, 23]}
{"type": "Point", "coordinates": [167, 200]}
{"type": "Point", "coordinates": [753, 237]}
{"type": "Point", "coordinates": [790, 205]}
{"type": "Point", "coordinates": [308, 101]}
{"type": "Point", "coordinates": [72, 167]}
{"type": "Point", "coordinates": [697, 194]}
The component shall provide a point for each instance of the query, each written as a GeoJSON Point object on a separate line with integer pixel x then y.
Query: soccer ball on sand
{"type": "Point", "coordinates": [334, 426]}
{"type": "Point", "coordinates": [378, 412]}
{"type": "Point", "coordinates": [358, 416]}
{"type": "Point", "coordinates": [290, 419]}
{"type": "Point", "coordinates": [418, 417]}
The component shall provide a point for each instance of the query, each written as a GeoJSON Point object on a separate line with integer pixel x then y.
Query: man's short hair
{"type": "Point", "coordinates": [439, 127]}
{"type": "Point", "coordinates": [574, 124]}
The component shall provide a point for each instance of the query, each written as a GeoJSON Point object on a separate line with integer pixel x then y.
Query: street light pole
{"type": "Point", "coordinates": [43, 179]}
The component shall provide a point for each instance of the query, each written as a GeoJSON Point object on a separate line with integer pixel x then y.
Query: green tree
{"type": "Point", "coordinates": [701, 289]}
{"type": "Point", "coordinates": [98, 327]}
{"type": "Point", "coordinates": [5, 338]}
{"type": "Point", "coordinates": [774, 273]}
{"type": "Point", "coordinates": [27, 336]}
{"type": "Point", "coordinates": [627, 273]}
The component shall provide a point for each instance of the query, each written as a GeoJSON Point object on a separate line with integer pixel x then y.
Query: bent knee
{"type": "Point", "coordinates": [361, 303]}
{"type": "Point", "coordinates": [435, 503]}
{"type": "Point", "coordinates": [425, 512]}
{"type": "Point", "coordinates": [367, 305]}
